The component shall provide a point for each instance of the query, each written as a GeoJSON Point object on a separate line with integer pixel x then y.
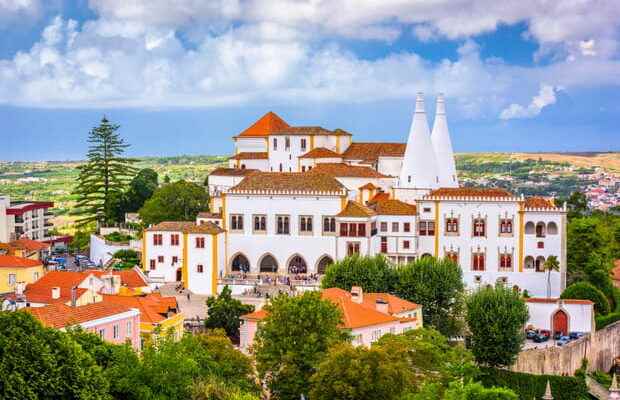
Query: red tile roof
{"type": "Point", "coordinates": [153, 307]}
{"type": "Point", "coordinates": [29, 244]}
{"type": "Point", "coordinates": [372, 151]}
{"type": "Point", "coordinates": [249, 155]}
{"type": "Point", "coordinates": [395, 207]}
{"type": "Point", "coordinates": [538, 202]}
{"type": "Point", "coordinates": [368, 186]}
{"type": "Point", "coordinates": [256, 315]}
{"type": "Point", "coordinates": [232, 171]}
{"type": "Point", "coordinates": [130, 278]}
{"type": "Point", "coordinates": [41, 290]}
{"type": "Point", "coordinates": [381, 196]}
{"type": "Point", "coordinates": [470, 192]}
{"type": "Point", "coordinates": [288, 182]}
{"type": "Point", "coordinates": [309, 131]}
{"type": "Point", "coordinates": [60, 315]}
{"type": "Point", "coordinates": [17, 262]}
{"type": "Point", "coordinates": [396, 305]}
{"type": "Point", "coordinates": [555, 300]}
{"type": "Point", "coordinates": [186, 227]}
{"type": "Point", "coordinates": [266, 124]}
{"type": "Point", "coordinates": [353, 209]}
{"type": "Point", "coordinates": [321, 152]}
{"type": "Point", "coordinates": [346, 171]}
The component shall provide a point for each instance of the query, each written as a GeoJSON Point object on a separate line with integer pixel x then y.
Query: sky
{"type": "Point", "coordinates": [183, 76]}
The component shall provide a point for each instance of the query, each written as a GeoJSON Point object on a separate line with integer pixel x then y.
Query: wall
{"type": "Point", "coordinates": [128, 324]}
{"type": "Point", "coordinates": [101, 252]}
{"type": "Point", "coordinates": [27, 275]}
{"type": "Point", "coordinates": [600, 349]}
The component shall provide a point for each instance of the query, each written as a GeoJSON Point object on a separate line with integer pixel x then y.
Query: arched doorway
{"type": "Point", "coordinates": [540, 264]}
{"type": "Point", "coordinates": [540, 229]}
{"type": "Point", "coordinates": [560, 322]}
{"type": "Point", "coordinates": [324, 262]}
{"type": "Point", "coordinates": [529, 228]}
{"type": "Point", "coordinates": [240, 263]}
{"type": "Point", "coordinates": [297, 265]}
{"type": "Point", "coordinates": [529, 262]}
{"type": "Point", "coordinates": [179, 274]}
{"type": "Point", "coordinates": [268, 264]}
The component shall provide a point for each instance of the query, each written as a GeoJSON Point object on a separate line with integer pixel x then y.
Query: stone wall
{"type": "Point", "coordinates": [599, 349]}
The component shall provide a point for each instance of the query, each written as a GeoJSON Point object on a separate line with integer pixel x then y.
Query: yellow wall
{"type": "Point", "coordinates": [21, 275]}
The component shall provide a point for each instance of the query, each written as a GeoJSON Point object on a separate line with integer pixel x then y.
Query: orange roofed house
{"type": "Point", "coordinates": [16, 271]}
{"type": "Point", "coordinates": [368, 316]}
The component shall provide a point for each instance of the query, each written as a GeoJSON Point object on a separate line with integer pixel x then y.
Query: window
{"type": "Point", "coordinates": [427, 209]}
{"type": "Point", "coordinates": [344, 229]}
{"type": "Point", "coordinates": [407, 227]}
{"type": "Point", "coordinates": [505, 226]}
{"type": "Point", "coordinates": [505, 261]}
{"type": "Point", "coordinates": [353, 248]}
{"type": "Point", "coordinates": [236, 222]}
{"type": "Point", "coordinates": [129, 327]}
{"type": "Point", "coordinates": [479, 227]}
{"type": "Point", "coordinates": [160, 259]}
{"type": "Point", "coordinates": [158, 239]}
{"type": "Point", "coordinates": [376, 335]}
{"type": "Point", "coordinates": [384, 227]}
{"type": "Point", "coordinates": [152, 264]}
{"type": "Point", "coordinates": [427, 228]}
{"type": "Point", "coordinates": [303, 144]}
{"type": "Point", "coordinates": [35, 276]}
{"type": "Point", "coordinates": [287, 143]}
{"type": "Point", "coordinates": [116, 331]}
{"type": "Point", "coordinates": [200, 242]}
{"type": "Point", "coordinates": [174, 239]}
{"type": "Point", "coordinates": [305, 224]}
{"type": "Point", "coordinates": [452, 225]}
{"type": "Point", "coordinates": [12, 279]}
{"type": "Point", "coordinates": [303, 168]}
{"type": "Point", "coordinates": [540, 245]}
{"type": "Point", "coordinates": [280, 167]}
{"type": "Point", "coordinates": [453, 256]}
{"type": "Point", "coordinates": [384, 244]}
{"type": "Point", "coordinates": [394, 226]}
{"type": "Point", "coordinates": [329, 225]}
{"type": "Point", "coordinates": [478, 261]}
{"type": "Point", "coordinates": [275, 143]}
{"type": "Point", "coordinates": [405, 244]}
{"type": "Point", "coordinates": [102, 333]}
{"type": "Point", "coordinates": [260, 223]}
{"type": "Point", "coordinates": [352, 229]}
{"type": "Point", "coordinates": [200, 268]}
{"type": "Point", "coordinates": [175, 260]}
{"type": "Point", "coordinates": [283, 225]}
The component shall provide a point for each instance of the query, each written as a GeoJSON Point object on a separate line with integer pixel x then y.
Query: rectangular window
{"type": "Point", "coordinates": [384, 244]}
{"type": "Point", "coordinates": [384, 226]}
{"type": "Point", "coordinates": [452, 225]}
{"type": "Point", "coordinates": [361, 230]}
{"type": "Point", "coordinates": [158, 239]}
{"type": "Point", "coordinates": [12, 279]}
{"type": "Point", "coordinates": [344, 229]}
{"type": "Point", "coordinates": [329, 225]}
{"type": "Point", "coordinates": [407, 227]}
{"type": "Point", "coordinates": [305, 224]}
{"type": "Point", "coordinates": [275, 143]}
{"type": "Point", "coordinates": [353, 230]}
{"type": "Point", "coordinates": [236, 222]}
{"type": "Point", "coordinates": [260, 223]}
{"type": "Point", "coordinates": [479, 227]}
{"type": "Point", "coordinates": [376, 335]}
{"type": "Point", "coordinates": [405, 244]}
{"type": "Point", "coordinates": [353, 248]}
{"type": "Point", "coordinates": [283, 225]}
{"type": "Point", "coordinates": [102, 333]}
{"type": "Point", "coordinates": [427, 228]}
{"type": "Point", "coordinates": [116, 331]}
{"type": "Point", "coordinates": [394, 226]}
{"type": "Point", "coordinates": [505, 226]}
{"type": "Point", "coordinates": [129, 327]}
{"type": "Point", "coordinates": [303, 144]}
{"type": "Point", "coordinates": [174, 239]}
{"type": "Point", "coordinates": [199, 268]}
{"type": "Point", "coordinates": [287, 143]}
{"type": "Point", "coordinates": [35, 276]}
{"type": "Point", "coordinates": [505, 261]}
{"type": "Point", "coordinates": [160, 259]}
{"type": "Point", "coordinates": [478, 261]}
{"type": "Point", "coordinates": [175, 260]}
{"type": "Point", "coordinates": [427, 209]}
{"type": "Point", "coordinates": [152, 264]}
{"type": "Point", "coordinates": [200, 242]}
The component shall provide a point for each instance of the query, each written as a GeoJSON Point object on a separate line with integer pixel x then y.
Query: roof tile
{"type": "Point", "coordinates": [60, 315]}
{"type": "Point", "coordinates": [346, 171]}
{"type": "Point", "coordinates": [249, 155]}
{"type": "Point", "coordinates": [186, 227]}
{"type": "Point", "coordinates": [266, 124]}
{"type": "Point", "coordinates": [288, 182]}
{"type": "Point", "coordinates": [17, 262]}
{"type": "Point", "coordinates": [353, 209]}
{"type": "Point", "coordinates": [321, 152]}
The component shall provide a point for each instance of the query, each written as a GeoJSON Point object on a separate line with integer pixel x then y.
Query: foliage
{"type": "Point", "coordinates": [586, 291]}
{"type": "Point", "coordinates": [577, 204]}
{"type": "Point", "coordinates": [105, 174]}
{"type": "Point", "coordinates": [475, 391]}
{"type": "Point", "coordinates": [551, 264]}
{"type": "Point", "coordinates": [529, 386]}
{"type": "Point", "coordinates": [358, 373]}
{"type": "Point", "coordinates": [293, 339]}
{"type": "Point", "coordinates": [118, 237]}
{"type": "Point", "coordinates": [438, 286]}
{"type": "Point", "coordinates": [81, 240]}
{"type": "Point", "coordinates": [215, 389]}
{"type": "Point", "coordinates": [224, 312]}
{"type": "Point", "coordinates": [178, 201]}
{"type": "Point", "coordinates": [373, 274]}
{"type": "Point", "coordinates": [495, 317]}
{"type": "Point", "coordinates": [140, 189]}
{"type": "Point", "coordinates": [604, 320]}
{"type": "Point", "coordinates": [44, 363]}
{"type": "Point", "coordinates": [129, 258]}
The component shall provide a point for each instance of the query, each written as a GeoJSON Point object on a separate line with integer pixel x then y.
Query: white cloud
{"type": "Point", "coordinates": [545, 97]}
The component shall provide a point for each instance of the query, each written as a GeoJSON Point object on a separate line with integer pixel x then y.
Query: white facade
{"type": "Point", "coordinates": [24, 219]}
{"type": "Point", "coordinates": [442, 145]}
{"type": "Point", "coordinates": [578, 317]}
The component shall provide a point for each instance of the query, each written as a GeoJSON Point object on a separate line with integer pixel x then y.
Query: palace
{"type": "Point", "coordinates": [296, 198]}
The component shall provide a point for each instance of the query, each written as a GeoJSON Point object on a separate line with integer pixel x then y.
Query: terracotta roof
{"type": "Point", "coordinates": [555, 300]}
{"type": "Point", "coordinates": [249, 155]}
{"type": "Point", "coordinates": [353, 209]}
{"type": "Point", "coordinates": [395, 304]}
{"type": "Point", "coordinates": [395, 207]}
{"type": "Point", "coordinates": [372, 151]}
{"type": "Point", "coordinates": [60, 315]}
{"type": "Point", "coordinates": [264, 126]}
{"type": "Point", "coordinates": [41, 290]}
{"type": "Point", "coordinates": [538, 202]}
{"type": "Point", "coordinates": [346, 170]}
{"type": "Point", "coordinates": [355, 315]}
{"type": "Point", "coordinates": [186, 227]}
{"type": "Point", "coordinates": [381, 196]}
{"type": "Point", "coordinates": [368, 186]}
{"type": "Point", "coordinates": [309, 131]}
{"type": "Point", "coordinates": [18, 262]}
{"type": "Point", "coordinates": [232, 171]}
{"type": "Point", "coordinates": [289, 182]}
{"type": "Point", "coordinates": [206, 214]}
{"type": "Point", "coordinates": [321, 152]}
{"type": "Point", "coordinates": [29, 244]}
{"type": "Point", "coordinates": [153, 307]}
{"type": "Point", "coordinates": [470, 192]}
{"type": "Point", "coordinates": [130, 278]}
{"type": "Point", "coordinates": [256, 315]}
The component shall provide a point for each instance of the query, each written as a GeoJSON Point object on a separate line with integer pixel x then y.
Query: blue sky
{"type": "Point", "coordinates": [182, 77]}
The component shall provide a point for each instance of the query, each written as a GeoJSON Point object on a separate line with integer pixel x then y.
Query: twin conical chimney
{"type": "Point", "coordinates": [442, 145]}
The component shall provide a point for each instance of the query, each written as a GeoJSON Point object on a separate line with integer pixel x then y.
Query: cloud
{"type": "Point", "coordinates": [545, 97]}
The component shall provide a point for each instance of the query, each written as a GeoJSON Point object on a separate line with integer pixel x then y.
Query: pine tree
{"type": "Point", "coordinates": [105, 174]}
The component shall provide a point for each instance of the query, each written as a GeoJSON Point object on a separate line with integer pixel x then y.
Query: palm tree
{"type": "Point", "coordinates": [551, 264]}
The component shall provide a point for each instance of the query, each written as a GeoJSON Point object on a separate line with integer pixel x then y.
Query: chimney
{"type": "Point", "coordinates": [74, 296]}
{"type": "Point", "coordinates": [55, 292]}
{"type": "Point", "coordinates": [382, 306]}
{"type": "Point", "coordinates": [357, 294]}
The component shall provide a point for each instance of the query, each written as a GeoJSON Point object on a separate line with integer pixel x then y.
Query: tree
{"type": "Point", "coordinates": [224, 312]}
{"type": "Point", "coordinates": [577, 204]}
{"type": "Point", "coordinates": [551, 264]}
{"type": "Point", "coordinates": [358, 373]}
{"type": "Point", "coordinates": [178, 201]}
{"type": "Point", "coordinates": [438, 286]}
{"type": "Point", "coordinates": [475, 391]}
{"type": "Point", "coordinates": [140, 189]}
{"type": "Point", "coordinates": [129, 258]}
{"type": "Point", "coordinates": [81, 239]}
{"type": "Point", "coordinates": [496, 316]}
{"type": "Point", "coordinates": [38, 362]}
{"type": "Point", "coordinates": [105, 174]}
{"type": "Point", "coordinates": [293, 339]}
{"type": "Point", "coordinates": [586, 291]}
{"type": "Point", "coordinates": [373, 274]}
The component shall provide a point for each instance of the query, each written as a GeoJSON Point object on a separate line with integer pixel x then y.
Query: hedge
{"type": "Point", "coordinates": [604, 320]}
{"type": "Point", "coordinates": [586, 291]}
{"type": "Point", "coordinates": [528, 386]}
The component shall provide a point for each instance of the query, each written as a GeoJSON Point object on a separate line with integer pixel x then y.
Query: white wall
{"type": "Point", "coordinates": [390, 165]}
{"type": "Point", "coordinates": [580, 316]}
{"type": "Point", "coordinates": [101, 252]}
{"type": "Point", "coordinates": [250, 144]}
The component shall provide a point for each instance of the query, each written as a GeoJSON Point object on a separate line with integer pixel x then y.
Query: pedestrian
{"type": "Point", "coordinates": [188, 295]}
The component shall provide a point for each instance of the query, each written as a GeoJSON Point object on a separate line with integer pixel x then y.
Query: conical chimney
{"type": "Point", "coordinates": [442, 145]}
{"type": "Point", "coordinates": [419, 168]}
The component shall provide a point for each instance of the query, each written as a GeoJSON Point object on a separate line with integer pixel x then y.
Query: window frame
{"type": "Point", "coordinates": [236, 223]}
{"type": "Point", "coordinates": [306, 225]}
{"type": "Point", "coordinates": [286, 224]}
{"type": "Point", "coordinates": [259, 220]}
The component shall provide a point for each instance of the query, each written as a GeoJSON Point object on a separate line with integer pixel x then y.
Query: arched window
{"type": "Point", "coordinates": [324, 262]}
{"type": "Point", "coordinates": [297, 265]}
{"type": "Point", "coordinates": [240, 263]}
{"type": "Point", "coordinates": [530, 228]}
{"type": "Point", "coordinates": [453, 256]}
{"type": "Point", "coordinates": [529, 262]}
{"type": "Point", "coordinates": [552, 228]}
{"type": "Point", "coordinates": [540, 264]}
{"type": "Point", "coordinates": [540, 229]}
{"type": "Point", "coordinates": [268, 264]}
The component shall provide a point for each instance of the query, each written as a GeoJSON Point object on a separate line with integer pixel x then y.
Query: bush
{"type": "Point", "coordinates": [585, 291]}
{"type": "Point", "coordinates": [118, 237]}
{"type": "Point", "coordinates": [129, 258]}
{"type": "Point", "coordinates": [373, 274]}
{"type": "Point", "coordinates": [604, 320]}
{"type": "Point", "coordinates": [529, 386]}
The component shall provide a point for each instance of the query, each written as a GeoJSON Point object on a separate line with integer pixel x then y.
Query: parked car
{"type": "Point", "coordinates": [531, 333]}
{"type": "Point", "coordinates": [557, 335]}
{"type": "Point", "coordinates": [545, 332]}
{"type": "Point", "coordinates": [540, 338]}
{"type": "Point", "coordinates": [575, 335]}
{"type": "Point", "coordinates": [561, 342]}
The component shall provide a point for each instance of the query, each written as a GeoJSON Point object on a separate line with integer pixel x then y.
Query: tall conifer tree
{"type": "Point", "coordinates": [105, 174]}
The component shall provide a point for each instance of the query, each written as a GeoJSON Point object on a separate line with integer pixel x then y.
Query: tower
{"type": "Point", "coordinates": [419, 170]}
{"type": "Point", "coordinates": [442, 146]}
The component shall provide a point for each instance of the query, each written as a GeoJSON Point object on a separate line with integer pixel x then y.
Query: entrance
{"type": "Point", "coordinates": [179, 275]}
{"type": "Point", "coordinates": [560, 322]}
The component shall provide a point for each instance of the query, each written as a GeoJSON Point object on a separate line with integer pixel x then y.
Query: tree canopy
{"type": "Point", "coordinates": [140, 189]}
{"type": "Point", "coordinates": [586, 291]}
{"type": "Point", "coordinates": [373, 274]}
{"type": "Point", "coordinates": [178, 201]}
{"type": "Point", "coordinates": [224, 312]}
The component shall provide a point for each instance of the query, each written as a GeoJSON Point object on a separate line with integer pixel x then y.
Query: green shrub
{"type": "Point", "coordinates": [529, 386]}
{"type": "Point", "coordinates": [604, 320]}
{"type": "Point", "coordinates": [585, 291]}
{"type": "Point", "coordinates": [118, 237]}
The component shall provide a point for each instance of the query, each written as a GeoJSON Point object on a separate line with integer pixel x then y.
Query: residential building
{"type": "Point", "coordinates": [26, 248]}
{"type": "Point", "coordinates": [30, 219]}
{"type": "Point", "coordinates": [16, 272]}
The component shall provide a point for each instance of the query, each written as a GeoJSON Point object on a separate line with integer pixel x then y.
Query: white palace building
{"type": "Point", "coordinates": [296, 198]}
